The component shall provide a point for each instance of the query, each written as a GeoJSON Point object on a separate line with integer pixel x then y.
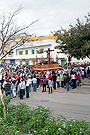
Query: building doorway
{"type": "Point", "coordinates": [12, 61]}
{"type": "Point", "coordinates": [63, 62]}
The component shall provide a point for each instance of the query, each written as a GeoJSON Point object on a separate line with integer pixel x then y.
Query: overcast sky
{"type": "Point", "coordinates": [52, 14]}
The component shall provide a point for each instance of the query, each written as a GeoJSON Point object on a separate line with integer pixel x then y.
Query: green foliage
{"type": "Point", "coordinates": [22, 119]}
{"type": "Point", "coordinates": [76, 40]}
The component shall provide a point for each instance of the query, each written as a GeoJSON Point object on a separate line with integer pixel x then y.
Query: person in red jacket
{"type": "Point", "coordinates": [79, 80]}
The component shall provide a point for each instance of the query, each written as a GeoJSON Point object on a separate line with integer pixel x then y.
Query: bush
{"type": "Point", "coordinates": [22, 119]}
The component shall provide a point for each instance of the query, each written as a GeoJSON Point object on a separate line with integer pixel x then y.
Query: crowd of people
{"type": "Point", "coordinates": [17, 80]}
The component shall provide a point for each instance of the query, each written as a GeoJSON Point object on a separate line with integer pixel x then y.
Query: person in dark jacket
{"type": "Point", "coordinates": [54, 78]}
{"type": "Point", "coordinates": [2, 81]}
{"type": "Point", "coordinates": [44, 84]}
{"type": "Point", "coordinates": [38, 81]}
{"type": "Point", "coordinates": [7, 88]}
{"type": "Point", "coordinates": [67, 79]}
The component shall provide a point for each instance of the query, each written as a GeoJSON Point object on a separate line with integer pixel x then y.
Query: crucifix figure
{"type": "Point", "coordinates": [57, 58]}
{"type": "Point", "coordinates": [52, 60]}
{"type": "Point", "coordinates": [48, 54]}
{"type": "Point", "coordinates": [42, 60]}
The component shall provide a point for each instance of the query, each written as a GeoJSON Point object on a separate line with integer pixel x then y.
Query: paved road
{"type": "Point", "coordinates": [73, 104]}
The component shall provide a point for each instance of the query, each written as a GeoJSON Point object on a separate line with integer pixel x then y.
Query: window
{"type": "Point", "coordinates": [32, 51]}
{"type": "Point", "coordinates": [20, 62]}
{"type": "Point", "coordinates": [26, 52]}
{"type": "Point", "coordinates": [20, 52]}
{"type": "Point", "coordinates": [63, 62]}
{"type": "Point", "coordinates": [42, 50]}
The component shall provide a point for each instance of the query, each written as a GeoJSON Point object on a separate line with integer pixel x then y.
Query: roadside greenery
{"type": "Point", "coordinates": [22, 120]}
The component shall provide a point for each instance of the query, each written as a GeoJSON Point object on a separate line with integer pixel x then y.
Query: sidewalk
{"type": "Point", "coordinates": [83, 89]}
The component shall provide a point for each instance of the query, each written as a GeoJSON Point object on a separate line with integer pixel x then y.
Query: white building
{"type": "Point", "coordinates": [27, 53]}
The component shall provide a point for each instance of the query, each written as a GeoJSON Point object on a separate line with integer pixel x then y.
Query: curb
{"type": "Point", "coordinates": [78, 90]}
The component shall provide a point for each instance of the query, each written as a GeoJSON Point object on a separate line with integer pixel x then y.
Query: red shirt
{"type": "Point", "coordinates": [78, 77]}
{"type": "Point", "coordinates": [50, 76]}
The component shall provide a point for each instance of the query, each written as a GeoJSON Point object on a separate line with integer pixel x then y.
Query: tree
{"type": "Point", "coordinates": [9, 32]}
{"type": "Point", "coordinates": [75, 40]}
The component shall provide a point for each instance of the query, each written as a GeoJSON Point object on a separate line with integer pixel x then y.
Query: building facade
{"type": "Point", "coordinates": [37, 47]}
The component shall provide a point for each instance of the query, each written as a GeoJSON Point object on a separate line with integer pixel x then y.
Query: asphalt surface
{"type": "Point", "coordinates": [71, 104]}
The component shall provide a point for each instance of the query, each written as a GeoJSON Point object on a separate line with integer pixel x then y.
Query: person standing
{"type": "Point", "coordinates": [22, 88]}
{"type": "Point", "coordinates": [73, 79]}
{"type": "Point", "coordinates": [82, 73]}
{"type": "Point", "coordinates": [27, 87]}
{"type": "Point", "coordinates": [13, 88]}
{"type": "Point", "coordinates": [2, 81]}
{"type": "Point", "coordinates": [67, 79]}
{"type": "Point", "coordinates": [44, 84]}
{"type": "Point", "coordinates": [50, 84]}
{"type": "Point", "coordinates": [54, 78]}
{"type": "Point", "coordinates": [78, 79]}
{"type": "Point", "coordinates": [30, 82]}
{"type": "Point", "coordinates": [62, 80]}
{"type": "Point", "coordinates": [58, 80]}
{"type": "Point", "coordinates": [41, 79]}
{"type": "Point", "coordinates": [38, 81]}
{"type": "Point", "coordinates": [34, 80]}
{"type": "Point", "coordinates": [7, 88]}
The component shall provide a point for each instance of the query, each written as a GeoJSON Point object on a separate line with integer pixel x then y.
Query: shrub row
{"type": "Point", "coordinates": [22, 120]}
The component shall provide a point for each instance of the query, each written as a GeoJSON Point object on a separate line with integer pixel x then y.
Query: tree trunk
{"type": "Point", "coordinates": [2, 101]}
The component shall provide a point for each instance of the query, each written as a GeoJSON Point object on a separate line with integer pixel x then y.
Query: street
{"type": "Point", "coordinates": [69, 104]}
